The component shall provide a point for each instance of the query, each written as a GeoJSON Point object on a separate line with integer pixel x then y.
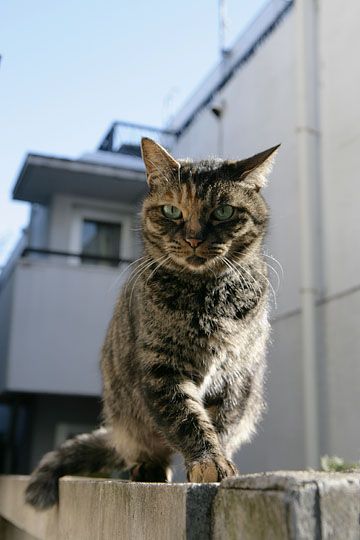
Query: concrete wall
{"type": "Point", "coordinates": [252, 123]}
{"type": "Point", "coordinates": [279, 441]}
{"type": "Point", "coordinates": [340, 118]}
{"type": "Point", "coordinates": [340, 126]}
{"type": "Point", "coordinates": [260, 111]}
{"type": "Point", "coordinates": [39, 227]}
{"type": "Point", "coordinates": [283, 505]}
{"type": "Point", "coordinates": [68, 212]}
{"type": "Point", "coordinates": [60, 315]}
{"type": "Point", "coordinates": [6, 295]}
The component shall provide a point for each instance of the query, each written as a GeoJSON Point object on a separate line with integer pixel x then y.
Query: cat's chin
{"type": "Point", "coordinates": [196, 261]}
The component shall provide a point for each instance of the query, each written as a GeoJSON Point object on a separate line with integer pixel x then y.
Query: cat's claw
{"type": "Point", "coordinates": [209, 470]}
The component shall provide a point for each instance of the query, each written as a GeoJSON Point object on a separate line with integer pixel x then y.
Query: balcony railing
{"type": "Point", "coordinates": [124, 138]}
{"type": "Point", "coordinates": [114, 261]}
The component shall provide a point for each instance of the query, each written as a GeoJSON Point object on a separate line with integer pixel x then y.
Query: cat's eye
{"type": "Point", "coordinates": [171, 212]}
{"type": "Point", "coordinates": [223, 212]}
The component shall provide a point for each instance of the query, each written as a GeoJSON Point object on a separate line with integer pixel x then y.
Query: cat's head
{"type": "Point", "coordinates": [201, 215]}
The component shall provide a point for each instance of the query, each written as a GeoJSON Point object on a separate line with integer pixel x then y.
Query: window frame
{"type": "Point", "coordinates": [103, 215]}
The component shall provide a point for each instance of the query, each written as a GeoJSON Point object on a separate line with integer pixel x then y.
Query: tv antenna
{"type": "Point", "coordinates": [223, 25]}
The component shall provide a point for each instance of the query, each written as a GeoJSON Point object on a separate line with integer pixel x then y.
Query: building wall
{"type": "Point", "coordinates": [340, 136]}
{"type": "Point", "coordinates": [6, 294]}
{"type": "Point", "coordinates": [55, 342]}
{"type": "Point", "coordinates": [253, 122]}
{"type": "Point", "coordinates": [38, 231]}
{"type": "Point", "coordinates": [67, 213]}
{"type": "Point", "coordinates": [201, 140]}
{"type": "Point", "coordinates": [260, 111]}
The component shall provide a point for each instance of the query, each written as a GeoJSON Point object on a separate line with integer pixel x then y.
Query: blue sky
{"type": "Point", "coordinates": [71, 67]}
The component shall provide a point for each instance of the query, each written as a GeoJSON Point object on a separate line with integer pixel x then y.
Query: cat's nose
{"type": "Point", "coordinates": [194, 242]}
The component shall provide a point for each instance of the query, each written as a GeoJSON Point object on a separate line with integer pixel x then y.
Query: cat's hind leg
{"type": "Point", "coordinates": [150, 471]}
{"type": "Point", "coordinates": [146, 454]}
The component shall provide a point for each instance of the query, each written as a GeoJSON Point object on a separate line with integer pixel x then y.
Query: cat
{"type": "Point", "coordinates": [184, 356]}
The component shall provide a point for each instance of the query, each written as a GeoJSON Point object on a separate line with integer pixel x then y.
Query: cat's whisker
{"type": "Point", "coordinates": [167, 258]}
{"type": "Point", "coordinates": [253, 284]}
{"type": "Point", "coordinates": [127, 266]}
{"type": "Point", "coordinates": [139, 274]}
{"type": "Point", "coordinates": [228, 263]}
{"type": "Point", "coordinates": [137, 271]}
{"type": "Point", "coordinates": [277, 275]}
{"type": "Point", "coordinates": [271, 287]}
{"type": "Point", "coordinates": [257, 290]}
{"type": "Point", "coordinates": [276, 261]}
{"type": "Point", "coordinates": [244, 281]}
{"type": "Point", "coordinates": [266, 280]}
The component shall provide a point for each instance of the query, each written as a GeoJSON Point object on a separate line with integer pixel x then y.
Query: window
{"type": "Point", "coordinates": [101, 239]}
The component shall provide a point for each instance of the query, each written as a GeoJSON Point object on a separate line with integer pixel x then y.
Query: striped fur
{"type": "Point", "coordinates": [184, 357]}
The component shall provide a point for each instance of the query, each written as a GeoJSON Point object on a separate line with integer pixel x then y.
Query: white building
{"type": "Point", "coordinates": [57, 293]}
{"type": "Point", "coordinates": [54, 306]}
{"type": "Point", "coordinates": [257, 90]}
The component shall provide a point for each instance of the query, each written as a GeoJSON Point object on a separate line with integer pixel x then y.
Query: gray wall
{"type": "Point", "coordinates": [253, 122]}
{"type": "Point", "coordinates": [60, 315]}
{"type": "Point", "coordinates": [6, 294]}
{"type": "Point", "coordinates": [39, 227]}
{"type": "Point", "coordinates": [260, 111]}
{"type": "Point", "coordinates": [66, 216]}
{"type": "Point", "coordinates": [340, 119]}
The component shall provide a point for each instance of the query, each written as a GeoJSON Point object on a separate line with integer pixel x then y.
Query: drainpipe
{"type": "Point", "coordinates": [306, 13]}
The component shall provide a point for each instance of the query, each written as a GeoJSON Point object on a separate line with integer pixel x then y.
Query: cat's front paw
{"type": "Point", "coordinates": [212, 469]}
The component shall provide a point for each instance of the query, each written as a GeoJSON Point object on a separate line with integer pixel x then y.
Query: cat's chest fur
{"type": "Point", "coordinates": [204, 303]}
{"type": "Point", "coordinates": [208, 319]}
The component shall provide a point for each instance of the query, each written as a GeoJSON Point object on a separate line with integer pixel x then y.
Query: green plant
{"type": "Point", "coordinates": [336, 464]}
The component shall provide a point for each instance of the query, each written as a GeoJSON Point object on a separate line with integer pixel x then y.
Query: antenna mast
{"type": "Point", "coordinates": [222, 27]}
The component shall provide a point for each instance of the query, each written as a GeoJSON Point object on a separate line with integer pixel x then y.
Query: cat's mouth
{"type": "Point", "coordinates": [195, 260]}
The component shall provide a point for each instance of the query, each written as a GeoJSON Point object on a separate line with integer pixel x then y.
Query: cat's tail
{"type": "Point", "coordinates": [84, 454]}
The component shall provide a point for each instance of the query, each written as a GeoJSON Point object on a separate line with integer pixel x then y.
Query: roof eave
{"type": "Point", "coordinates": [101, 176]}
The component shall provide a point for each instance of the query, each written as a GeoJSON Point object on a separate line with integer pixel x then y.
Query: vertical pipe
{"type": "Point", "coordinates": [308, 171]}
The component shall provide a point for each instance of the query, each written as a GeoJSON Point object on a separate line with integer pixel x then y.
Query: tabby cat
{"type": "Point", "coordinates": [184, 356]}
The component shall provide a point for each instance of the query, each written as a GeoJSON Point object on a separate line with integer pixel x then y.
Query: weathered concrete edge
{"type": "Point", "coordinates": [316, 504]}
{"type": "Point", "coordinates": [199, 511]}
{"type": "Point", "coordinates": [287, 480]}
{"type": "Point", "coordinates": [195, 503]}
{"type": "Point", "coordinates": [42, 525]}
{"type": "Point", "coordinates": [196, 499]}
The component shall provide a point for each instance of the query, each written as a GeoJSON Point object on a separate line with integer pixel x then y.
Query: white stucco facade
{"type": "Point", "coordinates": [259, 111]}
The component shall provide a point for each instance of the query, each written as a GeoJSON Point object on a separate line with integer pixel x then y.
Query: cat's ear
{"type": "Point", "coordinates": [159, 164]}
{"type": "Point", "coordinates": [253, 172]}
